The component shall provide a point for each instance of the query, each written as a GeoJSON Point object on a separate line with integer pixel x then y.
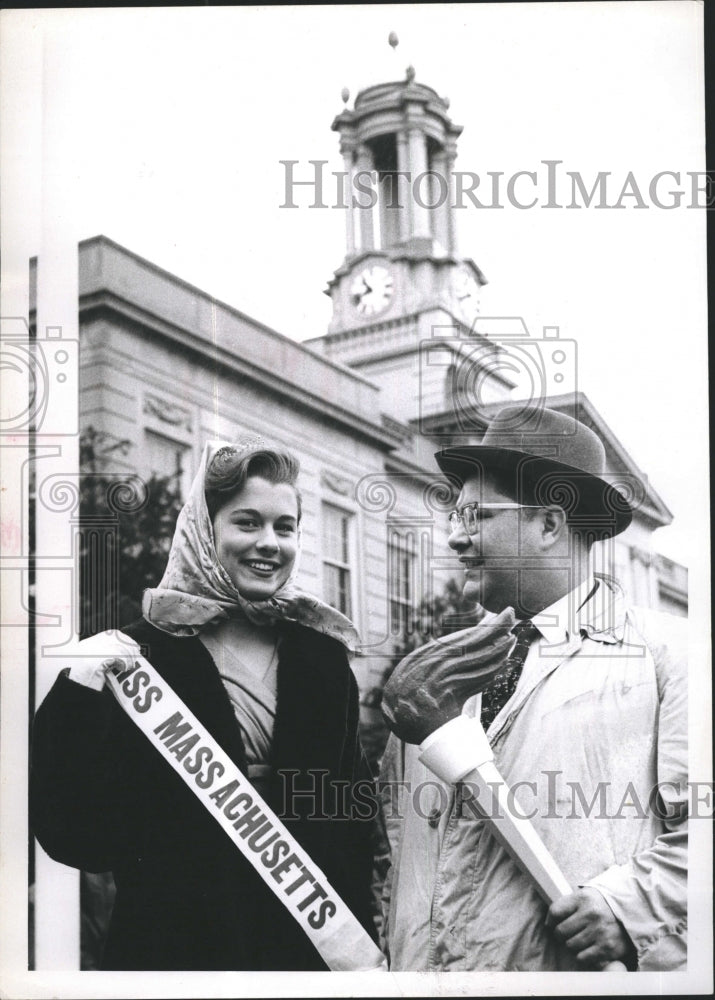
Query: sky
{"type": "Point", "coordinates": [173, 121]}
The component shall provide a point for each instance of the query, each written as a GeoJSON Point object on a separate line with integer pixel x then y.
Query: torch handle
{"type": "Point", "coordinates": [467, 757]}
{"type": "Point", "coordinates": [520, 839]}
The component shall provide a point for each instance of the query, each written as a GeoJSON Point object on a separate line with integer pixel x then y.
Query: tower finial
{"type": "Point", "coordinates": [410, 74]}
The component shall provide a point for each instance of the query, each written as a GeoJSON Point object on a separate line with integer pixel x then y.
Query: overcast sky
{"type": "Point", "coordinates": [175, 121]}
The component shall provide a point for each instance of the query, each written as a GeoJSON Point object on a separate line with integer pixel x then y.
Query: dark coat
{"type": "Point", "coordinates": [102, 798]}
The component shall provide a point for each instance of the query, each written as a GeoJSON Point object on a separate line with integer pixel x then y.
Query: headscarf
{"type": "Point", "coordinates": [196, 590]}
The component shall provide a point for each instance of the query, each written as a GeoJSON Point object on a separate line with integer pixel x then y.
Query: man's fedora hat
{"type": "Point", "coordinates": [556, 460]}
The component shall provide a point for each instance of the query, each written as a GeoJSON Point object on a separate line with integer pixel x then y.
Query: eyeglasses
{"type": "Point", "coordinates": [469, 515]}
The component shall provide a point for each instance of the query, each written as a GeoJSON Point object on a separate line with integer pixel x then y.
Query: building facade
{"type": "Point", "coordinates": [407, 366]}
{"type": "Point", "coordinates": [163, 368]}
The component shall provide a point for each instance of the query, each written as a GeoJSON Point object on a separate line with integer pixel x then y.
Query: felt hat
{"type": "Point", "coordinates": [555, 460]}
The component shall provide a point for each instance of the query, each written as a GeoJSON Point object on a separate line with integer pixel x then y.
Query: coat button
{"type": "Point", "coordinates": [433, 818]}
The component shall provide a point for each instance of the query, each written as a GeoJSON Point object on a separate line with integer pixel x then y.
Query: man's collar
{"type": "Point", "coordinates": [596, 607]}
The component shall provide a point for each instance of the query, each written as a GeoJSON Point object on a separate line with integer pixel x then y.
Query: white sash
{"type": "Point", "coordinates": [229, 797]}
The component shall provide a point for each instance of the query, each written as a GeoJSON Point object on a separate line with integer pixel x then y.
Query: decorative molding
{"type": "Point", "coordinates": [338, 484]}
{"type": "Point", "coordinates": [103, 443]}
{"type": "Point", "coordinates": [167, 413]}
{"type": "Point", "coordinates": [397, 427]}
{"type": "Point", "coordinates": [643, 556]}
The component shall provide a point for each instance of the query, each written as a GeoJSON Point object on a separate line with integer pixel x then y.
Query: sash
{"type": "Point", "coordinates": [229, 797]}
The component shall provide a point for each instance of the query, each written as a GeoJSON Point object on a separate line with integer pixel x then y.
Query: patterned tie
{"type": "Point", "coordinates": [498, 693]}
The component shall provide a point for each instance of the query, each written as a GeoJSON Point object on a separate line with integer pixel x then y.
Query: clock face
{"type": "Point", "coordinates": [467, 289]}
{"type": "Point", "coordinates": [372, 290]}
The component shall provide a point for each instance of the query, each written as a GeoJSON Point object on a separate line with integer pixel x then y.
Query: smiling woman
{"type": "Point", "coordinates": [256, 528]}
{"type": "Point", "coordinates": [264, 668]}
{"type": "Point", "coordinates": [256, 537]}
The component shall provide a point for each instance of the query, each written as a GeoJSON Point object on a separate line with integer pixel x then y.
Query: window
{"type": "Point", "coordinates": [166, 457]}
{"type": "Point", "coordinates": [401, 583]}
{"type": "Point", "coordinates": [336, 558]}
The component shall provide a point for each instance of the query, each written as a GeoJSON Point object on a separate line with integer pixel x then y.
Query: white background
{"type": "Point", "coordinates": [175, 121]}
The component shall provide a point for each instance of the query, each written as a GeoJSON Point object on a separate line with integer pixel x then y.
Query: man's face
{"type": "Point", "coordinates": [494, 555]}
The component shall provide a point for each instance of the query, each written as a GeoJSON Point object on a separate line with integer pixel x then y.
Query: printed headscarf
{"type": "Point", "coordinates": [196, 590]}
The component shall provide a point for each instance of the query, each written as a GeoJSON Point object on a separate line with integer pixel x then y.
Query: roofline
{"type": "Point", "coordinates": [100, 238]}
{"type": "Point", "coordinates": [656, 510]}
{"type": "Point", "coordinates": [107, 303]}
{"type": "Point", "coordinates": [581, 399]}
{"type": "Point", "coordinates": [101, 294]}
{"type": "Point", "coordinates": [354, 332]}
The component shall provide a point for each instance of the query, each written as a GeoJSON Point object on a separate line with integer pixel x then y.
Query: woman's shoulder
{"type": "Point", "coordinates": [157, 644]}
{"type": "Point", "coordinates": [141, 630]}
{"type": "Point", "coordinates": [313, 635]}
{"type": "Point", "coordinates": [310, 641]}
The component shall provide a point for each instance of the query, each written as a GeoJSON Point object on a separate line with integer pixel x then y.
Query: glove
{"type": "Point", "coordinates": [430, 686]}
{"type": "Point", "coordinates": [94, 656]}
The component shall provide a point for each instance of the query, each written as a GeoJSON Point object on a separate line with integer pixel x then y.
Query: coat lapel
{"type": "Point", "coordinates": [552, 656]}
{"type": "Point", "coordinates": [311, 715]}
{"type": "Point", "coordinates": [602, 618]}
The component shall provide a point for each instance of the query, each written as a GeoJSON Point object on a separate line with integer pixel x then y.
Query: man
{"type": "Point", "coordinates": [586, 717]}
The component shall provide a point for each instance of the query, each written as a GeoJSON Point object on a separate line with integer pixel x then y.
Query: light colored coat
{"type": "Point", "coordinates": [594, 747]}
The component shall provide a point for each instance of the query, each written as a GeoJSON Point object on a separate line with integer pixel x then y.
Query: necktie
{"type": "Point", "coordinates": [498, 693]}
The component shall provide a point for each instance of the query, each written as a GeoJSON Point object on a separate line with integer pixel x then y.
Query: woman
{"type": "Point", "coordinates": [264, 667]}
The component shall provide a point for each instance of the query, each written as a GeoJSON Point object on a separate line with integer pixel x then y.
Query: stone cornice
{"type": "Point", "coordinates": [404, 326]}
{"type": "Point", "coordinates": [408, 253]}
{"type": "Point", "coordinates": [386, 107]}
{"type": "Point", "coordinates": [116, 283]}
{"type": "Point", "coordinates": [108, 306]}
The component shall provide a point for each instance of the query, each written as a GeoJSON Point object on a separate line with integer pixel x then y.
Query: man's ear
{"type": "Point", "coordinates": [554, 525]}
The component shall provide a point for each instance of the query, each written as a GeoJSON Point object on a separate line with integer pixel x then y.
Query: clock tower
{"type": "Point", "coordinates": [403, 281]}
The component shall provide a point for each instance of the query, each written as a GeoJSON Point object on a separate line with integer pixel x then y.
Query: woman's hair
{"type": "Point", "coordinates": [231, 466]}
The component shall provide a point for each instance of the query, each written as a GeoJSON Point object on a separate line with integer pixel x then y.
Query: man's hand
{"type": "Point", "coordinates": [429, 687]}
{"type": "Point", "coordinates": [585, 923]}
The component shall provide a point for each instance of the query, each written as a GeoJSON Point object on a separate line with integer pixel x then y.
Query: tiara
{"type": "Point", "coordinates": [228, 452]}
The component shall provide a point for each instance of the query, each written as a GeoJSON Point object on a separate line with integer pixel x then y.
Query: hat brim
{"type": "Point", "coordinates": [589, 500]}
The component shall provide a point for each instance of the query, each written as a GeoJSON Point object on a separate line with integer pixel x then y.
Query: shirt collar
{"type": "Point", "coordinates": [595, 607]}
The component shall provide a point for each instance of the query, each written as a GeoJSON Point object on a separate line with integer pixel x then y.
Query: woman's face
{"type": "Point", "coordinates": [256, 534]}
